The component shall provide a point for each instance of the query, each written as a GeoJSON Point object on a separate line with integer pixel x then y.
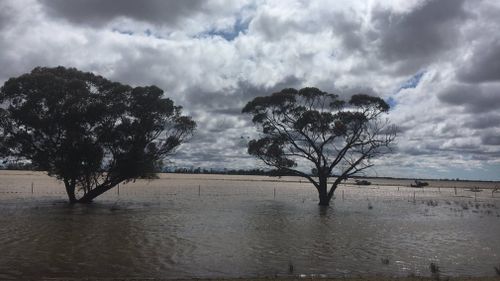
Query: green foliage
{"type": "Point", "coordinates": [87, 131]}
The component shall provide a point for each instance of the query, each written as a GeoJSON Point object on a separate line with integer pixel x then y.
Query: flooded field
{"type": "Point", "coordinates": [197, 226]}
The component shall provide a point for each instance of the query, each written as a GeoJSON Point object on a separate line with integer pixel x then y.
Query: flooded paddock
{"type": "Point", "coordinates": [196, 226]}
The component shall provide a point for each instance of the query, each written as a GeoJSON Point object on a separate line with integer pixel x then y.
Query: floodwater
{"type": "Point", "coordinates": [185, 226]}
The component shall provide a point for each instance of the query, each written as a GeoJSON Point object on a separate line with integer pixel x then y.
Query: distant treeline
{"type": "Point", "coordinates": [424, 179]}
{"type": "Point", "coordinates": [253, 172]}
{"type": "Point", "coordinates": [250, 172]}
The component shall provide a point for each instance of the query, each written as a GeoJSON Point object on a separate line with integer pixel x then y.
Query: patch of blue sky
{"type": "Point", "coordinates": [124, 32]}
{"type": "Point", "coordinates": [391, 102]}
{"type": "Point", "coordinates": [148, 33]}
{"type": "Point", "coordinates": [413, 81]}
{"type": "Point", "coordinates": [229, 35]}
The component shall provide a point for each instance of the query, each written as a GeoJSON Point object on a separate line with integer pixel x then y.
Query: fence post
{"type": "Point", "coordinates": [118, 189]}
{"type": "Point", "coordinates": [455, 190]}
{"type": "Point", "coordinates": [32, 188]}
{"type": "Point", "coordinates": [199, 190]}
{"type": "Point", "coordinates": [275, 193]}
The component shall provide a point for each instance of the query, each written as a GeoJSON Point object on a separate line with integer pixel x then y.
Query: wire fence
{"type": "Point", "coordinates": [265, 189]}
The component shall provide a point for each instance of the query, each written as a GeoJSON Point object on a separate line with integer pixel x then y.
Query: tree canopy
{"type": "Point", "coordinates": [87, 131]}
{"type": "Point", "coordinates": [314, 129]}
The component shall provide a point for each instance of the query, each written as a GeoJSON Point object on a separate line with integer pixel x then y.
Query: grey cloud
{"type": "Point", "coordinates": [474, 98]}
{"type": "Point", "coordinates": [414, 38]}
{"type": "Point", "coordinates": [214, 150]}
{"type": "Point", "coordinates": [228, 111]}
{"type": "Point", "coordinates": [5, 15]}
{"type": "Point", "coordinates": [248, 91]}
{"type": "Point", "coordinates": [221, 140]}
{"type": "Point", "coordinates": [137, 64]}
{"type": "Point", "coordinates": [348, 27]}
{"type": "Point", "coordinates": [271, 28]}
{"type": "Point", "coordinates": [401, 129]}
{"type": "Point", "coordinates": [491, 138]}
{"type": "Point", "coordinates": [440, 145]}
{"type": "Point", "coordinates": [98, 12]}
{"type": "Point", "coordinates": [484, 121]}
{"type": "Point", "coordinates": [200, 158]}
{"type": "Point", "coordinates": [231, 101]}
{"type": "Point", "coordinates": [345, 25]}
{"type": "Point", "coordinates": [412, 151]}
{"type": "Point", "coordinates": [480, 157]}
{"type": "Point", "coordinates": [274, 27]}
{"type": "Point", "coordinates": [459, 94]}
{"type": "Point", "coordinates": [347, 92]}
{"type": "Point", "coordinates": [484, 65]}
{"type": "Point", "coordinates": [198, 97]}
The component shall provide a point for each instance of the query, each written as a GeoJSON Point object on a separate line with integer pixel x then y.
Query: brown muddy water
{"type": "Point", "coordinates": [188, 226]}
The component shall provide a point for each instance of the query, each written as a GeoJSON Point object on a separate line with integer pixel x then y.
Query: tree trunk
{"type": "Point", "coordinates": [70, 190]}
{"type": "Point", "coordinates": [89, 196]}
{"type": "Point", "coordinates": [324, 199]}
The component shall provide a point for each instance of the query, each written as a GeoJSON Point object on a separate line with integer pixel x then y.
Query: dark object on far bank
{"type": "Point", "coordinates": [87, 131]}
{"type": "Point", "coordinates": [419, 184]}
{"type": "Point", "coordinates": [363, 182]}
{"type": "Point", "coordinates": [333, 136]}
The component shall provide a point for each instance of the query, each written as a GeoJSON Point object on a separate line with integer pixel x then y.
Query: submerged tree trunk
{"type": "Point", "coordinates": [326, 196]}
{"type": "Point", "coordinates": [324, 199]}
{"type": "Point", "coordinates": [70, 190]}
{"type": "Point", "coordinates": [89, 196]}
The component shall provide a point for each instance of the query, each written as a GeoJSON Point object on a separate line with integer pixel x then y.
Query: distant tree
{"type": "Point", "coordinates": [87, 131]}
{"type": "Point", "coordinates": [315, 128]}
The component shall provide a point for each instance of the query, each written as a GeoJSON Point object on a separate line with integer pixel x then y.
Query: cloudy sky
{"type": "Point", "coordinates": [437, 62]}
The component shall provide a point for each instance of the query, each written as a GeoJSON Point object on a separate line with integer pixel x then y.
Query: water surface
{"type": "Point", "coordinates": [187, 227]}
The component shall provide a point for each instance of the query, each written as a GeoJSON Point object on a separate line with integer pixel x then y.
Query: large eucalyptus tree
{"type": "Point", "coordinates": [87, 131]}
{"type": "Point", "coordinates": [314, 129]}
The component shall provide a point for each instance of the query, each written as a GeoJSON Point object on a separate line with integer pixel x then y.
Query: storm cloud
{"type": "Point", "coordinates": [474, 98]}
{"type": "Point", "coordinates": [411, 39]}
{"type": "Point", "coordinates": [484, 63]}
{"type": "Point", "coordinates": [98, 12]}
